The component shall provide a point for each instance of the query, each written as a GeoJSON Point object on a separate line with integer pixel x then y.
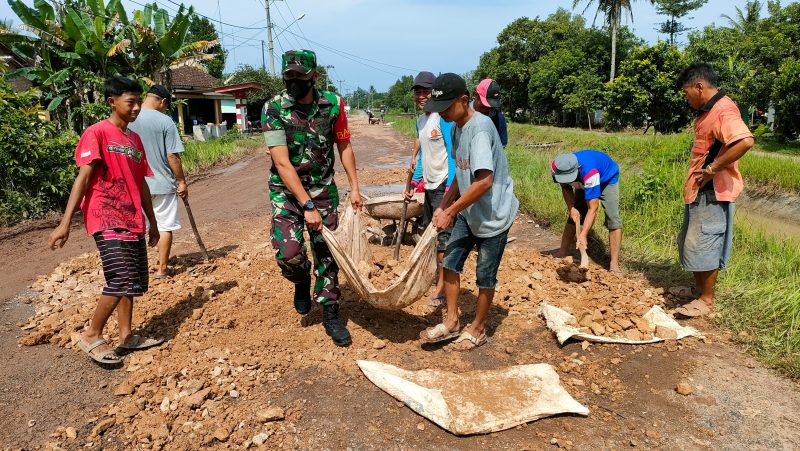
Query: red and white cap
{"type": "Point", "coordinates": [489, 92]}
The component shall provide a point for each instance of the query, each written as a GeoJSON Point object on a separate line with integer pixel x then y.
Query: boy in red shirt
{"type": "Point", "coordinates": [111, 191]}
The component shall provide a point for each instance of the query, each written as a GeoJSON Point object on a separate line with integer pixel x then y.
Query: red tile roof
{"type": "Point", "coordinates": [189, 77]}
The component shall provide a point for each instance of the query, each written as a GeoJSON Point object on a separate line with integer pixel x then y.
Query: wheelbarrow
{"type": "Point", "coordinates": [390, 207]}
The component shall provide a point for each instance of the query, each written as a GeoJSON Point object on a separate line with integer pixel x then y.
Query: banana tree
{"type": "Point", "coordinates": [158, 44]}
{"type": "Point", "coordinates": [65, 43]}
{"type": "Point", "coordinates": [76, 44]}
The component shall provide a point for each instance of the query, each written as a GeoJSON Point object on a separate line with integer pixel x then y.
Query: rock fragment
{"type": "Point", "coordinates": [683, 388]}
{"type": "Point", "coordinates": [271, 414]}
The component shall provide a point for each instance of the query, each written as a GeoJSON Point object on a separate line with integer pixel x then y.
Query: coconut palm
{"type": "Point", "coordinates": [747, 18]}
{"type": "Point", "coordinates": [613, 11]}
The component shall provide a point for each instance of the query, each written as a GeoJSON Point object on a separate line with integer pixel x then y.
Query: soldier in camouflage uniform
{"type": "Point", "coordinates": [300, 127]}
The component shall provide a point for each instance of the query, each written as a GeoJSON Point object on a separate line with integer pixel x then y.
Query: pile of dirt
{"type": "Point", "coordinates": [385, 269]}
{"type": "Point", "coordinates": [603, 303]}
{"type": "Point", "coordinates": [238, 365]}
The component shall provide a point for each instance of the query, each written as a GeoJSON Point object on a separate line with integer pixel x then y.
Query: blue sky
{"type": "Point", "coordinates": [374, 42]}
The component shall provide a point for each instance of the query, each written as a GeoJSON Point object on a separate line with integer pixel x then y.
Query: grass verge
{"type": "Point", "coordinates": [202, 155]}
{"type": "Point", "coordinates": [406, 125]}
{"type": "Point", "coordinates": [758, 292]}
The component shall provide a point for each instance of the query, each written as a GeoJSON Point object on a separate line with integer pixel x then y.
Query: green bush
{"type": "Point", "coordinates": [36, 169]}
{"type": "Point", "coordinates": [787, 98]}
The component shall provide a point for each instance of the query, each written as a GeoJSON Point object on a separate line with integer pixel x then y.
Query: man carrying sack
{"type": "Point", "coordinates": [300, 126]}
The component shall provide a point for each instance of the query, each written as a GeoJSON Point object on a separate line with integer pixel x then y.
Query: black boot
{"type": "Point", "coordinates": [334, 326]}
{"type": "Point", "coordinates": [302, 296]}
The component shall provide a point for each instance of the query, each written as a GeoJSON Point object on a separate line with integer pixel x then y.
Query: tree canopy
{"type": "Point", "coordinates": [75, 45]}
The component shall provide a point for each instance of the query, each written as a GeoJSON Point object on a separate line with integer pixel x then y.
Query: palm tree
{"type": "Point", "coordinates": [612, 10]}
{"type": "Point", "coordinates": [746, 19]}
{"type": "Point", "coordinates": [74, 45]}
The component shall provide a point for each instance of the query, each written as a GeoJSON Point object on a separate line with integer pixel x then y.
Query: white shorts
{"type": "Point", "coordinates": [165, 207]}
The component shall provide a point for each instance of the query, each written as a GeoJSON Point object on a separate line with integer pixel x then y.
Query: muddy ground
{"type": "Point", "coordinates": [240, 368]}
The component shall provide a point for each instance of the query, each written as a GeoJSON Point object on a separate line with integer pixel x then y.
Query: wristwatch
{"type": "Point", "coordinates": [309, 205]}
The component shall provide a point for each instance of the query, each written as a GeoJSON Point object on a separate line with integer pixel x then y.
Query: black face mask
{"type": "Point", "coordinates": [298, 88]}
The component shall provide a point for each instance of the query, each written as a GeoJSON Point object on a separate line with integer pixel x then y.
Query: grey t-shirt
{"type": "Point", "coordinates": [160, 137]}
{"type": "Point", "coordinates": [477, 146]}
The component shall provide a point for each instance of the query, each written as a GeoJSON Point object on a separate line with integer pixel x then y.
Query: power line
{"type": "Point", "coordinates": [223, 23]}
{"type": "Point", "coordinates": [341, 52]}
{"type": "Point", "coordinates": [287, 24]}
{"type": "Point", "coordinates": [352, 57]}
{"type": "Point", "coordinates": [347, 55]}
{"type": "Point", "coordinates": [286, 2]}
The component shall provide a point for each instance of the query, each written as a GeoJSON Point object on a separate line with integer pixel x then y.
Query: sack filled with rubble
{"type": "Point", "coordinates": [652, 327]}
{"type": "Point", "coordinates": [350, 249]}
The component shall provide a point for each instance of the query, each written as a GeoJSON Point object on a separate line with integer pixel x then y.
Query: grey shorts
{"type": "Point", "coordinates": [609, 199]}
{"type": "Point", "coordinates": [704, 242]}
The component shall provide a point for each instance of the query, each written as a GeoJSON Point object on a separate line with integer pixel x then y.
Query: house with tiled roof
{"type": "Point", "coordinates": [206, 102]}
{"type": "Point", "coordinates": [15, 61]}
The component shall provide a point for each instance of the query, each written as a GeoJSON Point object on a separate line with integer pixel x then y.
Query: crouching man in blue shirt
{"type": "Point", "coordinates": [589, 178]}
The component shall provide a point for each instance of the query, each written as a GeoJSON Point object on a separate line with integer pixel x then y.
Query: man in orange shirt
{"type": "Point", "coordinates": [712, 185]}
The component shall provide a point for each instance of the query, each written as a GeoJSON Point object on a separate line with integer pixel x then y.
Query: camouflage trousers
{"type": "Point", "coordinates": [288, 224]}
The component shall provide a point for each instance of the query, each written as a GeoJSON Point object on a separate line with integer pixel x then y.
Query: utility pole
{"type": "Point", "coordinates": [340, 86]}
{"type": "Point", "coordinates": [263, 65]}
{"type": "Point", "coordinates": [269, 37]}
{"type": "Point", "coordinates": [328, 76]}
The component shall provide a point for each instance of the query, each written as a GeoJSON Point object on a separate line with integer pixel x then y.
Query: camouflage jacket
{"type": "Point", "coordinates": [310, 138]}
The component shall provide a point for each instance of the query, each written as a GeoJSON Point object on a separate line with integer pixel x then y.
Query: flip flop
{"type": "Point", "coordinates": [135, 343]}
{"type": "Point", "coordinates": [436, 301]}
{"type": "Point", "coordinates": [466, 336]}
{"type": "Point", "coordinates": [438, 333]}
{"type": "Point", "coordinates": [99, 357]}
{"type": "Point", "coordinates": [164, 275]}
{"type": "Point", "coordinates": [694, 309]}
{"type": "Point", "coordinates": [683, 292]}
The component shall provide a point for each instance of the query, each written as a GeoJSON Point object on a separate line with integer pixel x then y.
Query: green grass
{"type": "Point", "coordinates": [772, 173]}
{"type": "Point", "coordinates": [770, 144]}
{"type": "Point", "coordinates": [759, 292]}
{"type": "Point", "coordinates": [201, 155]}
{"type": "Point", "coordinates": [403, 124]}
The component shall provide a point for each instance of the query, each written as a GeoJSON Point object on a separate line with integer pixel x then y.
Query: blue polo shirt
{"type": "Point", "coordinates": [597, 171]}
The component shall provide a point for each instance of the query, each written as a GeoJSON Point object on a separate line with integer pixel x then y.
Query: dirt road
{"type": "Point", "coordinates": [235, 348]}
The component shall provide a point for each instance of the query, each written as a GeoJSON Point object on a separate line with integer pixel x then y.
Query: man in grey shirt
{"type": "Point", "coordinates": [480, 206]}
{"type": "Point", "coordinates": [163, 147]}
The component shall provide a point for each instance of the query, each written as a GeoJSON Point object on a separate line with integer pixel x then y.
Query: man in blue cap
{"type": "Point", "coordinates": [588, 179]}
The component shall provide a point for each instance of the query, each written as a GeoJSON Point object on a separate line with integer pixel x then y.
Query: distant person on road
{"type": "Point", "coordinates": [588, 179]}
{"type": "Point", "coordinates": [163, 147]}
{"type": "Point", "coordinates": [369, 116]}
{"type": "Point", "coordinates": [383, 115]}
{"type": "Point", "coordinates": [487, 101]}
{"type": "Point", "coordinates": [480, 207]}
{"type": "Point", "coordinates": [301, 183]}
{"type": "Point", "coordinates": [432, 158]}
{"type": "Point", "coordinates": [712, 185]}
{"type": "Point", "coordinates": [111, 191]}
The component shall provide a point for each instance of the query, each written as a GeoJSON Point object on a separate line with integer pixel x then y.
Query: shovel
{"type": "Point", "coordinates": [194, 229]}
{"type": "Point", "coordinates": [582, 249]}
{"type": "Point", "coordinates": [402, 228]}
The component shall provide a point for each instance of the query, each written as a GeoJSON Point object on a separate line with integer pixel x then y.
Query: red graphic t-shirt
{"type": "Point", "coordinates": [113, 199]}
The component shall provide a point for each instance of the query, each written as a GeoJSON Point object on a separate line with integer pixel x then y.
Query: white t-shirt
{"type": "Point", "coordinates": [434, 150]}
